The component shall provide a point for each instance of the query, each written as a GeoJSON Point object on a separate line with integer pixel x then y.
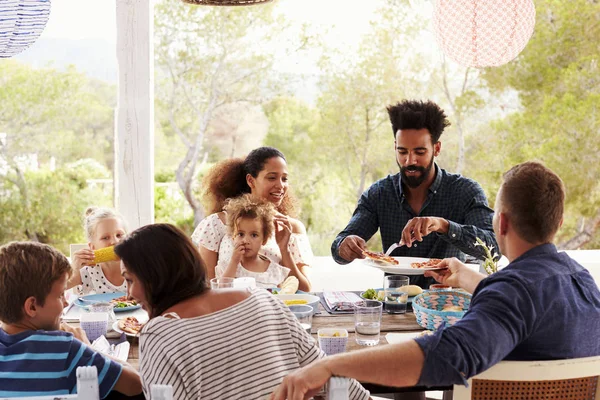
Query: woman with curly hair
{"type": "Point", "coordinates": [263, 174]}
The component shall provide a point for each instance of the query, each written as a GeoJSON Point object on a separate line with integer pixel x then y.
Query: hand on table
{"type": "Point", "coordinates": [303, 383]}
{"type": "Point", "coordinates": [352, 247]}
{"type": "Point", "coordinates": [419, 227]}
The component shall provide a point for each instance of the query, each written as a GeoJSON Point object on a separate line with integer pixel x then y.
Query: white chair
{"type": "Point", "coordinates": [161, 392]}
{"type": "Point", "coordinates": [574, 379]}
{"type": "Point", "coordinates": [87, 387]}
{"type": "Point", "coordinates": [338, 389]}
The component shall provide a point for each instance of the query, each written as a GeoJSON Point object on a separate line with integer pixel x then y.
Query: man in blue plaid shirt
{"type": "Point", "coordinates": [433, 213]}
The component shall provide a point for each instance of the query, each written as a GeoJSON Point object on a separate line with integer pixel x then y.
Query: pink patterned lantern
{"type": "Point", "coordinates": [483, 33]}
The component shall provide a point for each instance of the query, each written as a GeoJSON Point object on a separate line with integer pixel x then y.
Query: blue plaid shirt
{"type": "Point", "coordinates": [453, 197]}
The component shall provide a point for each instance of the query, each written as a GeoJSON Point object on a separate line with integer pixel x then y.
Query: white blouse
{"type": "Point", "coordinates": [95, 282]}
{"type": "Point", "coordinates": [211, 233]}
{"type": "Point", "coordinates": [272, 277]}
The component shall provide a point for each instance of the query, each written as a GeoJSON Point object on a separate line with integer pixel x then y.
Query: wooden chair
{"type": "Point", "coordinates": [574, 379]}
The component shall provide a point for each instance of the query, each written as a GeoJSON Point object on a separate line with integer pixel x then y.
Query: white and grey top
{"type": "Point", "coordinates": [95, 282]}
{"type": "Point", "coordinates": [241, 352]}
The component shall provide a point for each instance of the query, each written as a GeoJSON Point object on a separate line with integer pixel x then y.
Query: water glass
{"type": "Point", "coordinates": [221, 283]}
{"type": "Point", "coordinates": [304, 315]}
{"type": "Point", "coordinates": [396, 293]}
{"type": "Point", "coordinates": [367, 322]}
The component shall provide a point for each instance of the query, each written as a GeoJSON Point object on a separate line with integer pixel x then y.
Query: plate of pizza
{"type": "Point", "coordinates": [130, 326]}
{"type": "Point", "coordinates": [405, 265]}
{"type": "Point", "coordinates": [380, 258]}
{"type": "Point", "coordinates": [119, 301]}
{"type": "Point", "coordinates": [410, 265]}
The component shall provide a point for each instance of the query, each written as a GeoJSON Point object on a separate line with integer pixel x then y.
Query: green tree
{"type": "Point", "coordinates": [209, 60]}
{"type": "Point", "coordinates": [558, 85]}
{"type": "Point", "coordinates": [50, 207]}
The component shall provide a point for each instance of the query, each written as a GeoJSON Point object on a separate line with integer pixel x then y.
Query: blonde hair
{"type": "Point", "coordinates": [93, 215]}
{"type": "Point", "coordinates": [246, 206]}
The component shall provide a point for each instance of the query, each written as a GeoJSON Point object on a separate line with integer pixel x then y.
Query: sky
{"type": "Point", "coordinates": [90, 26]}
{"type": "Point", "coordinates": [95, 19]}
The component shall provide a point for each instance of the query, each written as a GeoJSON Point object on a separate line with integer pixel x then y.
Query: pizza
{"type": "Point", "coordinates": [426, 264]}
{"type": "Point", "coordinates": [380, 257]}
{"type": "Point", "coordinates": [130, 325]}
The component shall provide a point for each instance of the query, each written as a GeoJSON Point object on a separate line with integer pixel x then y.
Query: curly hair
{"type": "Point", "coordinates": [246, 206]}
{"type": "Point", "coordinates": [417, 114]}
{"type": "Point", "coordinates": [227, 179]}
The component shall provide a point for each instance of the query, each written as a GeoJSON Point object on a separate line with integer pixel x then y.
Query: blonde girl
{"type": "Point", "coordinates": [104, 227]}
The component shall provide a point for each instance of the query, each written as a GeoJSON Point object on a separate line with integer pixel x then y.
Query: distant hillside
{"type": "Point", "coordinates": [95, 57]}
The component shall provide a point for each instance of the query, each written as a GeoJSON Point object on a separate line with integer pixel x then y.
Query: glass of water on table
{"type": "Point", "coordinates": [367, 322]}
{"type": "Point", "coordinates": [304, 315]}
{"type": "Point", "coordinates": [396, 293]}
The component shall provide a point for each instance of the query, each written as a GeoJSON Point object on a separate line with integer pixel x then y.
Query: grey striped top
{"type": "Point", "coordinates": [240, 352]}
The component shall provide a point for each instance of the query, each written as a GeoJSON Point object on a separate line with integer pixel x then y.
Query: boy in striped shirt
{"type": "Point", "coordinates": [38, 354]}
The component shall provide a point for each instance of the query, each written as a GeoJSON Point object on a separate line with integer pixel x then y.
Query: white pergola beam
{"type": "Point", "coordinates": [134, 138]}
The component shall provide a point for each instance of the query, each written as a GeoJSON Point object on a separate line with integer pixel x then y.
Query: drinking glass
{"type": "Point", "coordinates": [396, 293]}
{"type": "Point", "coordinates": [221, 283]}
{"type": "Point", "coordinates": [304, 315]}
{"type": "Point", "coordinates": [367, 322]}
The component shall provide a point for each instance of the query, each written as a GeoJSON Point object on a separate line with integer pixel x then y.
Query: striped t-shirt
{"type": "Point", "coordinates": [241, 352]}
{"type": "Point", "coordinates": [44, 363]}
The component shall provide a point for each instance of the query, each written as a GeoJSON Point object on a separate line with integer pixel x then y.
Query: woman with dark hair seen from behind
{"type": "Point", "coordinates": [208, 344]}
{"type": "Point", "coordinates": [263, 174]}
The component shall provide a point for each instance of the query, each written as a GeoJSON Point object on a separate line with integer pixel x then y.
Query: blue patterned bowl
{"type": "Point", "coordinates": [429, 307]}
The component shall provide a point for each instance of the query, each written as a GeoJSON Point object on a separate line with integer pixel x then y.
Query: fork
{"type": "Point", "coordinates": [394, 247]}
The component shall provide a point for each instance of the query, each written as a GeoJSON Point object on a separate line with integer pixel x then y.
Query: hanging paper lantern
{"type": "Point", "coordinates": [483, 33]}
{"type": "Point", "coordinates": [21, 23]}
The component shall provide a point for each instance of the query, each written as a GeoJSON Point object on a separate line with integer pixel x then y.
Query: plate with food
{"type": "Point", "coordinates": [130, 326]}
{"type": "Point", "coordinates": [118, 300]}
{"type": "Point", "coordinates": [402, 265]}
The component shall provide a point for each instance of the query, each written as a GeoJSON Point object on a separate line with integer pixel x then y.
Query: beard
{"type": "Point", "coordinates": [415, 181]}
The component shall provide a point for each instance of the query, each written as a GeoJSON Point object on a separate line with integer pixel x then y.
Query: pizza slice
{"type": "Point", "coordinates": [380, 257]}
{"type": "Point", "coordinates": [426, 264]}
{"type": "Point", "coordinates": [130, 325]}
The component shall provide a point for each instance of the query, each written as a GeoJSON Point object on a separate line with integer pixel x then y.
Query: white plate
{"type": "Point", "coordinates": [403, 267]}
{"type": "Point", "coordinates": [116, 328]}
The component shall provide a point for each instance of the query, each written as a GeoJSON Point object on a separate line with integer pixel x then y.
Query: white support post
{"type": "Point", "coordinates": [134, 141]}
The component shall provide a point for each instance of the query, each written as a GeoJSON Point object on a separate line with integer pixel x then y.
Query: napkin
{"type": "Point", "coordinates": [119, 351]}
{"type": "Point", "coordinates": [341, 301]}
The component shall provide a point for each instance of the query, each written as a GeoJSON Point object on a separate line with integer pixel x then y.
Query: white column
{"type": "Point", "coordinates": [134, 141]}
